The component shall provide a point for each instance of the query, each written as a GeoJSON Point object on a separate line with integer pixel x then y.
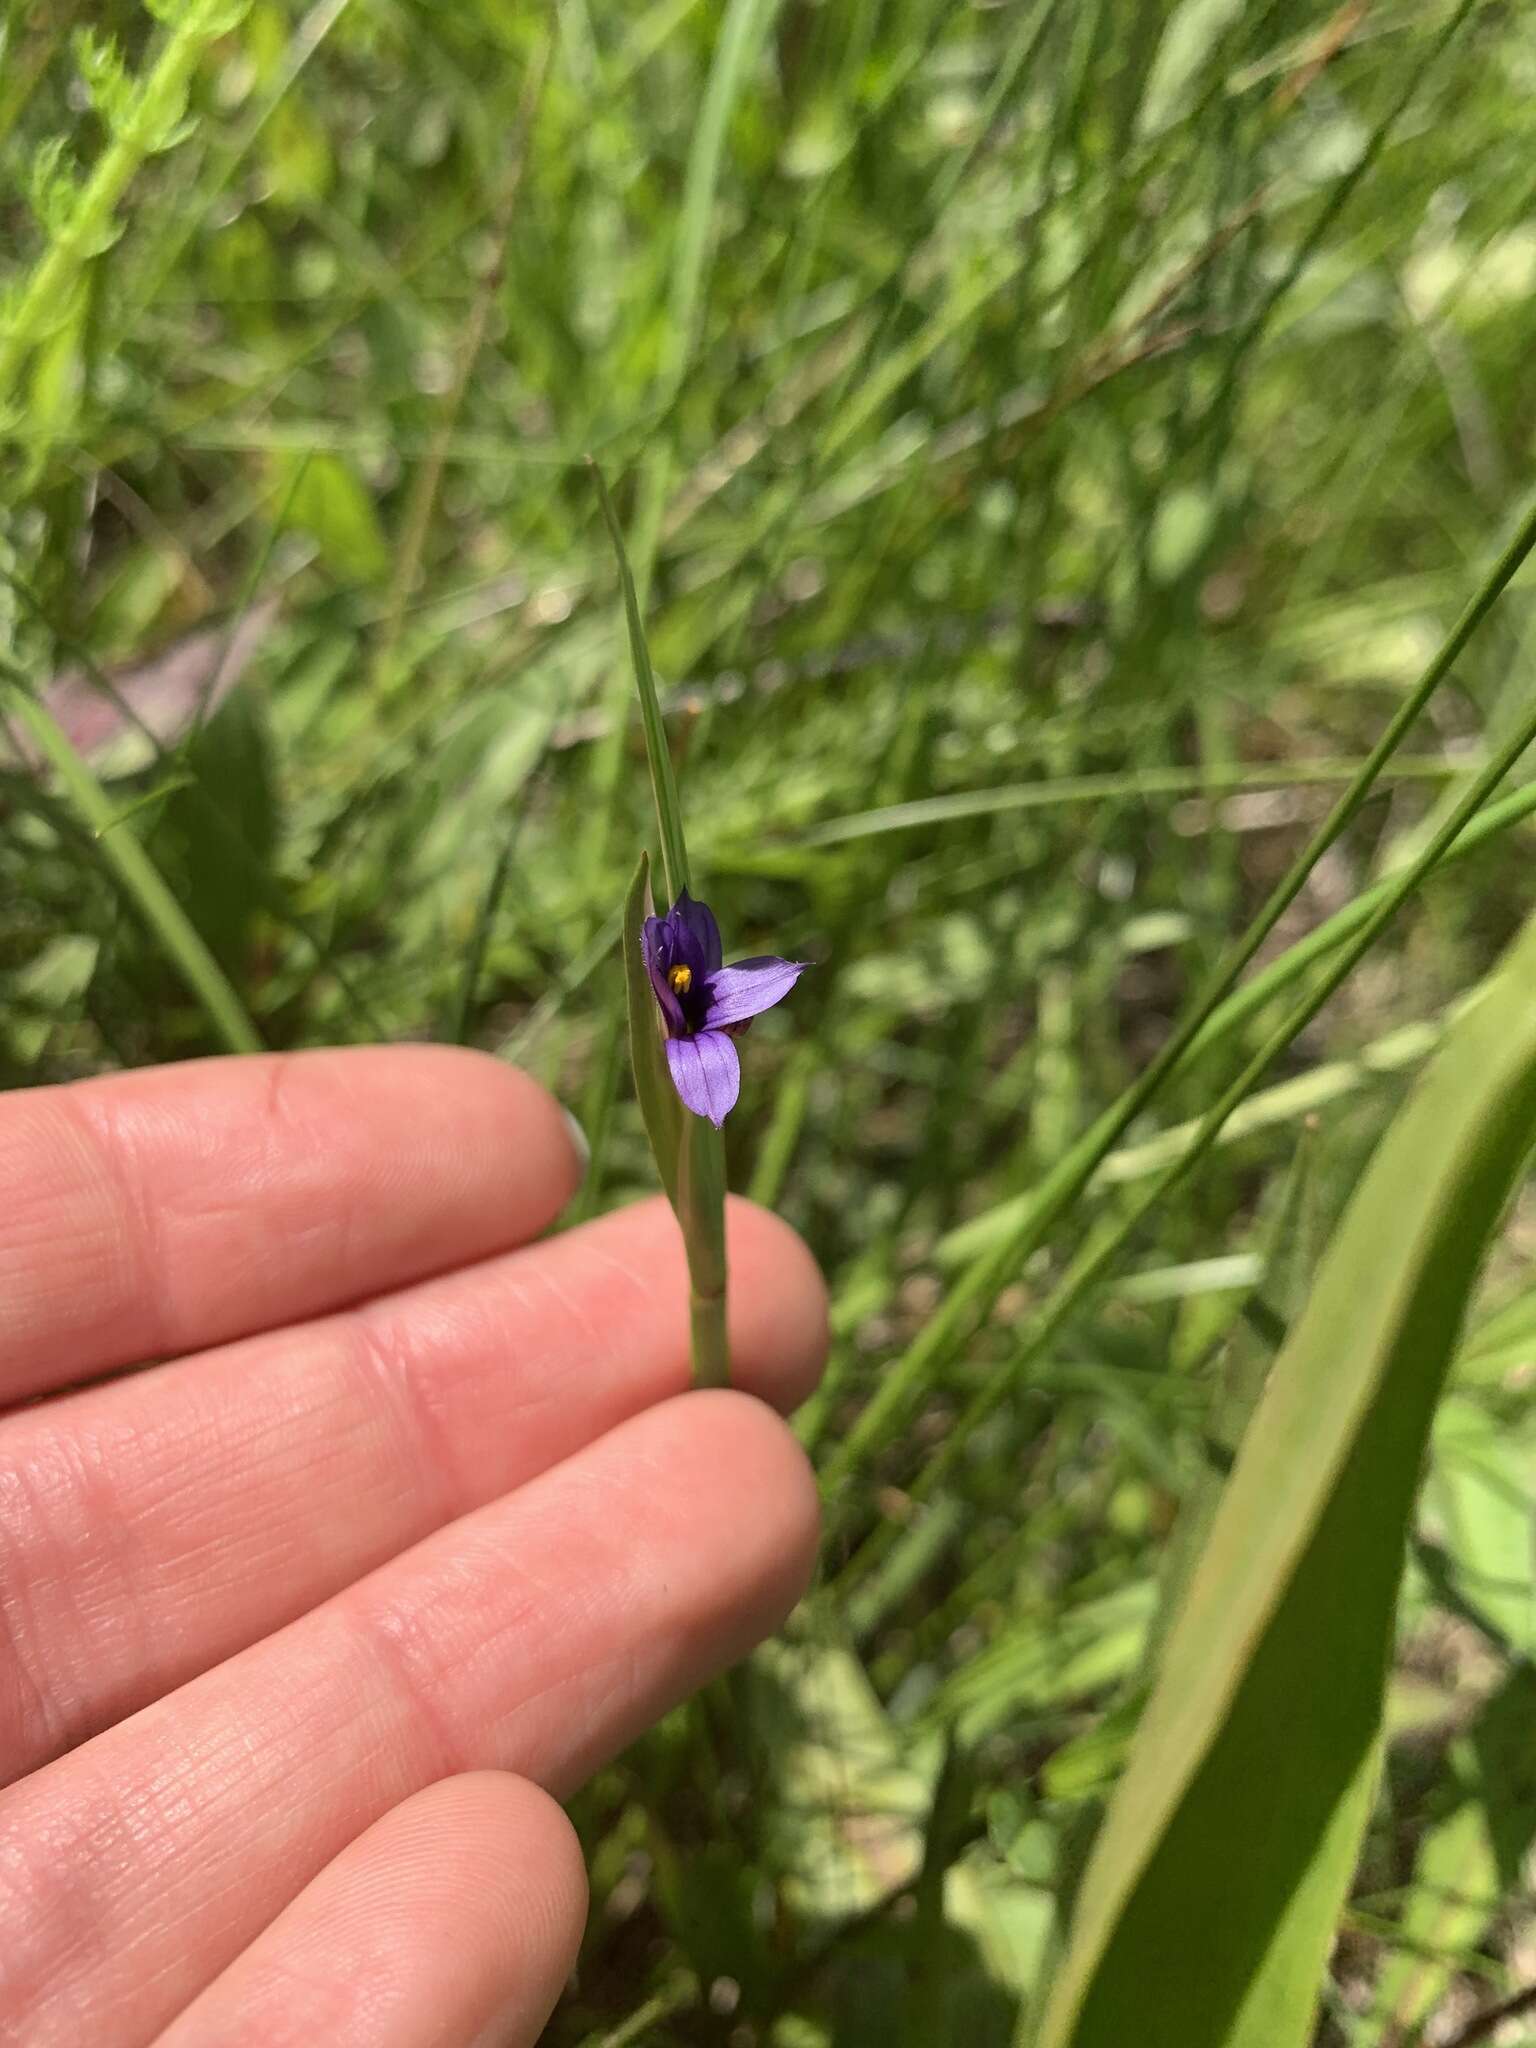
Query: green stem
{"type": "Point", "coordinates": [139, 878]}
{"type": "Point", "coordinates": [701, 1215]}
{"type": "Point", "coordinates": [711, 1352]}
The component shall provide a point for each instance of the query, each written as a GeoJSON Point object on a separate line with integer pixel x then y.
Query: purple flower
{"type": "Point", "coordinates": [706, 1005]}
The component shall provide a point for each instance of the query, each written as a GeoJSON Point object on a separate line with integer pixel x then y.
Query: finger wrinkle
{"type": "Point", "coordinates": [31, 1723]}
{"type": "Point", "coordinates": [137, 1213]}
{"type": "Point", "coordinates": [386, 1357]}
{"type": "Point", "coordinates": [537, 1634]}
{"type": "Point", "coordinates": [77, 1596]}
{"type": "Point", "coordinates": [69, 1557]}
{"type": "Point", "coordinates": [394, 1641]}
{"type": "Point", "coordinates": [62, 1187]}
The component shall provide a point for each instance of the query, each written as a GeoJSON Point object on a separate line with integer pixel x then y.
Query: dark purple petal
{"type": "Point", "coordinates": [655, 951]}
{"type": "Point", "coordinates": [748, 988]}
{"type": "Point", "coordinates": [706, 1074]}
{"type": "Point", "coordinates": [703, 952]}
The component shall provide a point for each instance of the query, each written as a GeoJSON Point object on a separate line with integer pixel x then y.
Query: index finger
{"type": "Point", "coordinates": [144, 1214]}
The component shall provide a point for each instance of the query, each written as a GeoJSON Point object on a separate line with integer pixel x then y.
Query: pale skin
{"type": "Point", "coordinates": [305, 1629]}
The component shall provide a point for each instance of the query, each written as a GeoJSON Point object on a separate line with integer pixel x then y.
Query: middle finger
{"type": "Point", "coordinates": [157, 1525]}
{"type": "Point", "coordinates": [536, 1635]}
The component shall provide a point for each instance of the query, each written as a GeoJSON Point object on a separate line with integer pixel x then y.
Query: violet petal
{"type": "Point", "coordinates": [749, 987]}
{"type": "Point", "coordinates": [654, 951]}
{"type": "Point", "coordinates": [698, 921]}
{"type": "Point", "coordinates": [706, 1073]}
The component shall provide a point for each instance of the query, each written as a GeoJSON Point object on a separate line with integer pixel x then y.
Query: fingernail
{"type": "Point", "coordinates": [578, 1140]}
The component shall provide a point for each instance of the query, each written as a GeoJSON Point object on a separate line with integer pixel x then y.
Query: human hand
{"type": "Point", "coordinates": [410, 1524]}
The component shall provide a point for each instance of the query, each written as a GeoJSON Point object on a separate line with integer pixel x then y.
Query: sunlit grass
{"type": "Point", "coordinates": [1051, 456]}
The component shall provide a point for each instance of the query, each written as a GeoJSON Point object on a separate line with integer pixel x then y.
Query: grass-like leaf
{"type": "Point", "coordinates": [669, 816]}
{"type": "Point", "coordinates": [1249, 1784]}
{"type": "Point", "coordinates": [139, 878]}
{"type": "Point", "coordinates": [972, 1297]}
{"type": "Point", "coordinates": [659, 1106]}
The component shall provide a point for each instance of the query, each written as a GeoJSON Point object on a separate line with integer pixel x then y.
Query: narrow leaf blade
{"type": "Point", "coordinates": [659, 1106]}
{"type": "Point", "coordinates": [1210, 1903]}
{"type": "Point", "coordinates": [669, 815]}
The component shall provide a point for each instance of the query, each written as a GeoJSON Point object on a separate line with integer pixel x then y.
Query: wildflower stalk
{"type": "Point", "coordinates": [689, 1150]}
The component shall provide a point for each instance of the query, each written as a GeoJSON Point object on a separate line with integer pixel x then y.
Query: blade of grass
{"type": "Point", "coordinates": [485, 917]}
{"type": "Point", "coordinates": [138, 877]}
{"type": "Point", "coordinates": [1251, 1773]}
{"type": "Point", "coordinates": [988, 1228]}
{"type": "Point", "coordinates": [669, 817]}
{"type": "Point", "coordinates": [519, 1043]}
{"type": "Point", "coordinates": [169, 760]}
{"type": "Point", "coordinates": [744, 26]}
{"type": "Point", "coordinates": [971, 1299]}
{"type": "Point", "coordinates": [1102, 1250]}
{"type": "Point", "coordinates": [1338, 198]}
{"type": "Point", "coordinates": [1085, 789]}
{"type": "Point", "coordinates": [428, 475]}
{"type": "Point", "coordinates": [1300, 1096]}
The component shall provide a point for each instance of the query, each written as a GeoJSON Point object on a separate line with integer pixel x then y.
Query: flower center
{"type": "Point", "coordinates": [680, 980]}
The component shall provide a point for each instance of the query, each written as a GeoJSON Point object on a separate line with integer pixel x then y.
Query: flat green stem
{"type": "Point", "coordinates": [711, 1352]}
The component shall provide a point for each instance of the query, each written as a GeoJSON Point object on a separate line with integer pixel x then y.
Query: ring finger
{"type": "Point", "coordinates": [457, 1913]}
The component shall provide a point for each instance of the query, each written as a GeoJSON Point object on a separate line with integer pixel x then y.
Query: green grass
{"type": "Point", "coordinates": [1055, 445]}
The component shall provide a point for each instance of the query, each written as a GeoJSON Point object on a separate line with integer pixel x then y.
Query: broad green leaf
{"type": "Point", "coordinates": [1477, 1506]}
{"type": "Point", "coordinates": [48, 987]}
{"type": "Point", "coordinates": [850, 1793]}
{"type": "Point", "coordinates": [1192, 32]}
{"type": "Point", "coordinates": [1210, 1902]}
{"type": "Point", "coordinates": [329, 500]}
{"type": "Point", "coordinates": [659, 1106]}
{"type": "Point", "coordinates": [232, 794]}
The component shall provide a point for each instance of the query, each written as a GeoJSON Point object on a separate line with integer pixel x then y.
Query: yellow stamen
{"type": "Point", "coordinates": [680, 980]}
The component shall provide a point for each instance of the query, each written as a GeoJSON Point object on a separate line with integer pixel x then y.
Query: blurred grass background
{"type": "Point", "coordinates": [1052, 440]}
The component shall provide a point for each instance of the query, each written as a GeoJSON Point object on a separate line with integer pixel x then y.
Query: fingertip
{"type": "Point", "coordinates": [279, 1186]}
{"type": "Point", "coordinates": [776, 1307]}
{"type": "Point", "coordinates": [543, 1142]}
{"type": "Point", "coordinates": [536, 1833]}
{"type": "Point", "coordinates": [457, 1915]}
{"type": "Point", "coordinates": [737, 1435]}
